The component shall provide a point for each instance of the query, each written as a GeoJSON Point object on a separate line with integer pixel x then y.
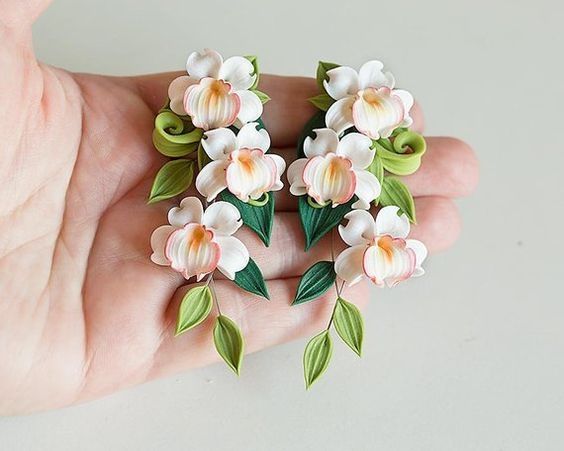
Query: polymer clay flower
{"type": "Point", "coordinates": [240, 164]}
{"type": "Point", "coordinates": [196, 242]}
{"type": "Point", "coordinates": [216, 93]}
{"type": "Point", "coordinates": [335, 170]}
{"type": "Point", "coordinates": [366, 100]}
{"type": "Point", "coordinates": [379, 249]}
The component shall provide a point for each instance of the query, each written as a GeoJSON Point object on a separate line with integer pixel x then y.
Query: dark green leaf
{"type": "Point", "coordinates": [261, 95]}
{"type": "Point", "coordinates": [229, 342]}
{"type": "Point", "coordinates": [396, 193]}
{"type": "Point", "coordinates": [317, 355]}
{"type": "Point", "coordinates": [254, 62]}
{"type": "Point", "coordinates": [316, 121]}
{"type": "Point", "coordinates": [251, 279]}
{"type": "Point", "coordinates": [172, 179]}
{"type": "Point", "coordinates": [322, 76]}
{"type": "Point", "coordinates": [315, 281]}
{"type": "Point", "coordinates": [194, 308]}
{"type": "Point", "coordinates": [322, 101]}
{"type": "Point", "coordinates": [258, 219]}
{"type": "Point", "coordinates": [349, 324]}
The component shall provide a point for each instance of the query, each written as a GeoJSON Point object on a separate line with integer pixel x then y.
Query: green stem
{"type": "Point", "coordinates": [260, 202]}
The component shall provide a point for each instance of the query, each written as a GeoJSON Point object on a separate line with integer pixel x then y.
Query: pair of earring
{"type": "Point", "coordinates": [347, 157]}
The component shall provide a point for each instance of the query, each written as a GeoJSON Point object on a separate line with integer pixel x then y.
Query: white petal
{"type": "Point", "coordinates": [326, 140]}
{"type": "Point", "coordinates": [376, 112]}
{"type": "Point", "coordinates": [251, 138]}
{"type": "Point", "coordinates": [356, 147]}
{"type": "Point", "coordinates": [420, 255]}
{"type": "Point", "coordinates": [211, 179]}
{"type": "Point", "coordinates": [367, 189]}
{"type": "Point", "coordinates": [251, 106]}
{"type": "Point", "coordinates": [237, 71]}
{"type": "Point", "coordinates": [211, 104]}
{"type": "Point", "coordinates": [371, 75]}
{"type": "Point", "coordinates": [205, 64]}
{"type": "Point", "coordinates": [158, 244]}
{"type": "Point", "coordinates": [359, 229]}
{"type": "Point", "coordinates": [389, 261]}
{"type": "Point", "coordinates": [190, 210]}
{"type": "Point", "coordinates": [280, 167]}
{"type": "Point", "coordinates": [234, 256]}
{"type": "Point", "coordinates": [343, 81]}
{"type": "Point", "coordinates": [176, 92]}
{"type": "Point", "coordinates": [339, 116]}
{"type": "Point", "coordinates": [389, 223]}
{"type": "Point", "coordinates": [330, 178]}
{"type": "Point", "coordinates": [223, 217]}
{"type": "Point", "coordinates": [348, 264]}
{"type": "Point", "coordinates": [250, 174]}
{"type": "Point", "coordinates": [295, 177]}
{"type": "Point", "coordinates": [219, 143]}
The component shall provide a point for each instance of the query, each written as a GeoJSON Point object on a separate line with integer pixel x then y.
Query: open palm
{"type": "Point", "coordinates": [83, 311]}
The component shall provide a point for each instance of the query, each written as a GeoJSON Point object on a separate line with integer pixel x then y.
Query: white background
{"type": "Point", "coordinates": [470, 357]}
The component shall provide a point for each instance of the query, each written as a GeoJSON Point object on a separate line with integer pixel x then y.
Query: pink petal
{"type": "Point", "coordinates": [211, 104]}
{"type": "Point", "coordinates": [330, 178]}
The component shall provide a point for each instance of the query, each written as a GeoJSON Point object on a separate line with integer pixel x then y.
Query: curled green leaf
{"type": "Point", "coordinates": [402, 156]}
{"type": "Point", "coordinates": [229, 342]}
{"type": "Point", "coordinates": [396, 193]}
{"type": "Point", "coordinates": [172, 179]}
{"type": "Point", "coordinates": [317, 355]}
{"type": "Point", "coordinates": [173, 136]}
{"type": "Point", "coordinates": [194, 308]}
{"type": "Point", "coordinates": [349, 324]}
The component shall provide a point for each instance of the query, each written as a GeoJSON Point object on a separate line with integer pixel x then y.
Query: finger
{"type": "Point", "coordinates": [262, 323]}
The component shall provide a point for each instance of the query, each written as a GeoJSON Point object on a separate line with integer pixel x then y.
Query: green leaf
{"type": "Point", "coordinates": [173, 136]}
{"type": "Point", "coordinates": [172, 179]}
{"type": "Point", "coordinates": [349, 324]}
{"type": "Point", "coordinates": [203, 157]}
{"type": "Point", "coordinates": [322, 101]}
{"type": "Point", "coordinates": [258, 219]}
{"type": "Point", "coordinates": [316, 222]}
{"type": "Point", "coordinates": [377, 168]}
{"type": "Point", "coordinates": [316, 121]}
{"type": "Point", "coordinates": [254, 62]}
{"type": "Point", "coordinates": [261, 95]}
{"type": "Point", "coordinates": [317, 355]}
{"type": "Point", "coordinates": [402, 156]}
{"type": "Point", "coordinates": [250, 279]}
{"type": "Point", "coordinates": [315, 281]}
{"type": "Point", "coordinates": [194, 308]}
{"type": "Point", "coordinates": [229, 342]}
{"type": "Point", "coordinates": [396, 193]}
{"type": "Point", "coordinates": [322, 76]}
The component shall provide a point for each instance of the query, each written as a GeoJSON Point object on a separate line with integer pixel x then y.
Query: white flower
{"type": "Point", "coordinates": [240, 164]}
{"type": "Point", "coordinates": [197, 242]}
{"type": "Point", "coordinates": [215, 93]}
{"type": "Point", "coordinates": [334, 171]}
{"type": "Point", "coordinates": [379, 249]}
{"type": "Point", "coordinates": [366, 100]}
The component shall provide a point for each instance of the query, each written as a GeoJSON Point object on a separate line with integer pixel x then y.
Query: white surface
{"type": "Point", "coordinates": [469, 357]}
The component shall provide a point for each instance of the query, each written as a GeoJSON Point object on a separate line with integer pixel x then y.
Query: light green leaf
{"type": "Point", "coordinates": [194, 308]}
{"type": "Point", "coordinates": [203, 157]}
{"type": "Point", "coordinates": [396, 193]}
{"type": "Point", "coordinates": [229, 342]}
{"type": "Point", "coordinates": [315, 281]}
{"type": "Point", "coordinates": [377, 168]}
{"type": "Point", "coordinates": [261, 95]}
{"type": "Point", "coordinates": [173, 136]}
{"type": "Point", "coordinates": [322, 101]}
{"type": "Point", "coordinates": [349, 324]}
{"type": "Point", "coordinates": [172, 179]}
{"type": "Point", "coordinates": [317, 355]}
{"type": "Point", "coordinates": [254, 61]}
{"type": "Point", "coordinates": [322, 76]}
{"type": "Point", "coordinates": [250, 279]}
{"type": "Point", "coordinates": [402, 156]}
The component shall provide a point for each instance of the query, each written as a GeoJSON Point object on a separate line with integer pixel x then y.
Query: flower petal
{"type": "Point", "coordinates": [204, 64]}
{"type": "Point", "coordinates": [223, 218]}
{"type": "Point", "coordinates": [280, 166]}
{"type": "Point", "coordinates": [251, 106]}
{"type": "Point", "coordinates": [371, 75]}
{"type": "Point", "coordinates": [295, 177]}
{"type": "Point", "coordinates": [348, 264]}
{"type": "Point", "coordinates": [421, 252]}
{"type": "Point", "coordinates": [176, 91]}
{"type": "Point", "coordinates": [339, 116]}
{"type": "Point", "coordinates": [388, 261]}
{"type": "Point", "coordinates": [359, 228]}
{"type": "Point", "coordinates": [211, 104]}
{"type": "Point", "coordinates": [367, 189]}
{"type": "Point", "coordinates": [250, 174]}
{"type": "Point", "coordinates": [343, 82]}
{"type": "Point", "coordinates": [237, 71]}
{"type": "Point", "coordinates": [251, 138]}
{"type": "Point", "coordinates": [211, 179]}
{"type": "Point", "coordinates": [189, 210]}
{"type": "Point", "coordinates": [219, 143]}
{"type": "Point", "coordinates": [407, 100]}
{"type": "Point", "coordinates": [376, 113]}
{"type": "Point", "coordinates": [158, 244]}
{"type": "Point", "coordinates": [389, 223]}
{"type": "Point", "coordinates": [326, 140]}
{"type": "Point", "coordinates": [356, 147]}
{"type": "Point", "coordinates": [234, 256]}
{"type": "Point", "coordinates": [330, 178]}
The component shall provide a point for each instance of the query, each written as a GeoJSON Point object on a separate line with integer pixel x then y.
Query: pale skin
{"type": "Point", "coordinates": [83, 311]}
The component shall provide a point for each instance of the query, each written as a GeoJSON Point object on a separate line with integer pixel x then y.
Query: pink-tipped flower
{"type": "Point", "coordinates": [215, 93]}
{"type": "Point", "coordinates": [195, 242]}
{"type": "Point", "coordinates": [240, 163]}
{"type": "Point", "coordinates": [366, 100]}
{"type": "Point", "coordinates": [335, 170]}
{"type": "Point", "coordinates": [379, 249]}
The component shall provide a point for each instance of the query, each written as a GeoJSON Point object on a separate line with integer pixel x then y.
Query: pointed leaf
{"type": "Point", "coordinates": [322, 69]}
{"type": "Point", "coordinates": [322, 101]}
{"type": "Point", "coordinates": [229, 342]}
{"type": "Point", "coordinates": [349, 324]}
{"type": "Point", "coordinates": [315, 281]}
{"type": "Point", "coordinates": [194, 308]}
{"type": "Point", "coordinates": [254, 62]}
{"type": "Point", "coordinates": [396, 193]}
{"type": "Point", "coordinates": [377, 168]}
{"type": "Point", "coordinates": [172, 179]}
{"type": "Point", "coordinates": [261, 95]}
{"type": "Point", "coordinates": [250, 279]}
{"type": "Point", "coordinates": [317, 355]}
{"type": "Point", "coordinates": [316, 121]}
